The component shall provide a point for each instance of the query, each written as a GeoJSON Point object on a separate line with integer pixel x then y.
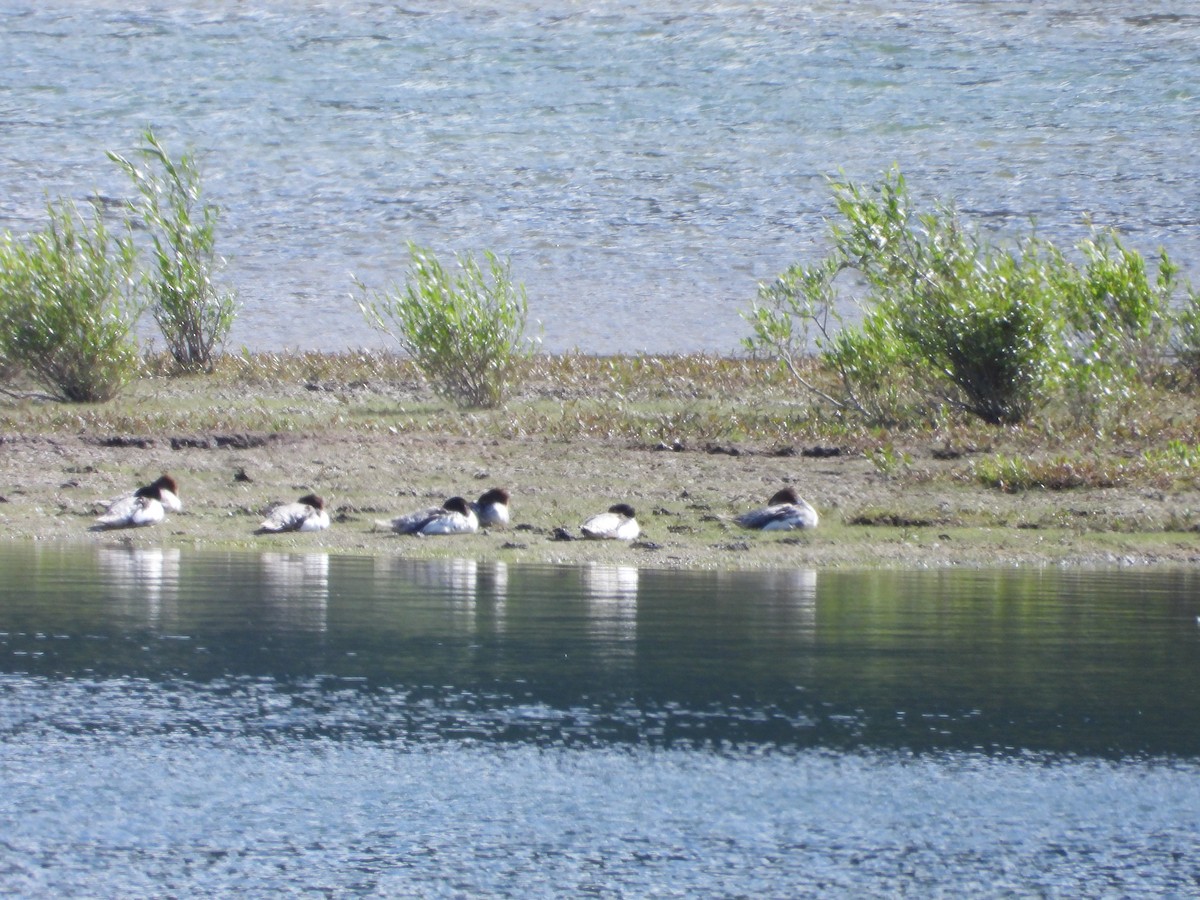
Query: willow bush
{"type": "Point", "coordinates": [465, 330]}
{"type": "Point", "coordinates": [68, 306]}
{"type": "Point", "coordinates": [192, 313]}
{"type": "Point", "coordinates": [1185, 337]}
{"type": "Point", "coordinates": [949, 321]}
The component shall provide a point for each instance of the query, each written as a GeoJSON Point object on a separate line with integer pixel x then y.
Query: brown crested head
{"type": "Point", "coordinates": [622, 509]}
{"type": "Point", "coordinates": [166, 482]}
{"type": "Point", "coordinates": [458, 505]}
{"type": "Point", "coordinates": [313, 500]}
{"type": "Point", "coordinates": [786, 495]}
{"type": "Point", "coordinates": [495, 495]}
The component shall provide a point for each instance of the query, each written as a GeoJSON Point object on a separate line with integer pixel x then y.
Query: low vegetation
{"type": "Point", "coordinates": [465, 330]}
{"type": "Point", "coordinates": [192, 313]}
{"type": "Point", "coordinates": [68, 306]}
{"type": "Point", "coordinates": [949, 323]}
{"type": "Point", "coordinates": [713, 404]}
{"type": "Point", "coordinates": [690, 440]}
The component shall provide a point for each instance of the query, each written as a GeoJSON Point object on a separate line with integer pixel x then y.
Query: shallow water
{"type": "Point", "coordinates": [644, 165]}
{"type": "Point", "coordinates": [200, 723]}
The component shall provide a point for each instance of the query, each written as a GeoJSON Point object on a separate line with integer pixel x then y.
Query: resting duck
{"type": "Point", "coordinates": [491, 509]}
{"type": "Point", "coordinates": [146, 506]}
{"type": "Point", "coordinates": [619, 523]}
{"type": "Point", "coordinates": [306, 514]}
{"type": "Point", "coordinates": [168, 492]}
{"type": "Point", "coordinates": [785, 511]}
{"type": "Point", "coordinates": [455, 516]}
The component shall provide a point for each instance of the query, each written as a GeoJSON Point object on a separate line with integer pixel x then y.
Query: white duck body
{"type": "Point", "coordinates": [455, 516]}
{"type": "Point", "coordinates": [618, 524]}
{"type": "Point", "coordinates": [491, 509]}
{"type": "Point", "coordinates": [306, 514]}
{"type": "Point", "coordinates": [137, 510]}
{"type": "Point", "coordinates": [785, 511]}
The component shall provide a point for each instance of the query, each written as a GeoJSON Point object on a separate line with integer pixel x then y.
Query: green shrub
{"type": "Point", "coordinates": [68, 306]}
{"type": "Point", "coordinates": [947, 319]}
{"type": "Point", "coordinates": [1014, 474]}
{"type": "Point", "coordinates": [194, 316]}
{"type": "Point", "coordinates": [1185, 336]}
{"type": "Point", "coordinates": [465, 331]}
{"type": "Point", "coordinates": [1117, 325]}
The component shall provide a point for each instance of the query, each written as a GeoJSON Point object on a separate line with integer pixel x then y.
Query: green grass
{"type": "Point", "coordinates": [695, 402]}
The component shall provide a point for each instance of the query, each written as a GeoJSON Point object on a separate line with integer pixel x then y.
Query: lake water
{"type": "Point", "coordinates": [205, 724]}
{"type": "Point", "coordinates": [645, 165]}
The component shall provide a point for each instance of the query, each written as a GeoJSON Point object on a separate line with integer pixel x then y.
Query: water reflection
{"type": "Point", "coordinates": [296, 586]}
{"type": "Point", "coordinates": [399, 650]}
{"type": "Point", "coordinates": [459, 580]}
{"type": "Point", "coordinates": [225, 723]}
{"type": "Point", "coordinates": [612, 595]}
{"type": "Point", "coordinates": [788, 597]}
{"type": "Point", "coordinates": [142, 579]}
{"type": "Point", "coordinates": [461, 587]}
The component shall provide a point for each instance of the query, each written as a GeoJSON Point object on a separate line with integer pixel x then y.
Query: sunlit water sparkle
{"type": "Point", "coordinates": [644, 165]}
{"type": "Point", "coordinates": [200, 724]}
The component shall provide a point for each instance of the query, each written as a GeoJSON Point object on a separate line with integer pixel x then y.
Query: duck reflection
{"type": "Point", "coordinates": [465, 584]}
{"type": "Point", "coordinates": [787, 597]}
{"type": "Point", "coordinates": [295, 587]}
{"type": "Point", "coordinates": [141, 578]}
{"type": "Point", "coordinates": [612, 595]}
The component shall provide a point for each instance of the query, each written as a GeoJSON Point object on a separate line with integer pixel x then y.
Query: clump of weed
{"type": "Point", "coordinates": [193, 314]}
{"type": "Point", "coordinates": [68, 306]}
{"type": "Point", "coordinates": [1013, 474]}
{"type": "Point", "coordinates": [464, 330]}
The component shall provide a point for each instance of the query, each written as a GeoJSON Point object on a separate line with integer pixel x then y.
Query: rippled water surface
{"type": "Point", "coordinates": [644, 165]}
{"type": "Point", "coordinates": [199, 724]}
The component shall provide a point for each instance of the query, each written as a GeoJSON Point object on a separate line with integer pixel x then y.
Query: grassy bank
{"type": "Point", "coordinates": [690, 441]}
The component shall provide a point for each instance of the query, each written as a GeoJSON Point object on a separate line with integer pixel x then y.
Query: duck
{"type": "Point", "coordinates": [491, 509]}
{"type": "Point", "coordinates": [619, 523]}
{"type": "Point", "coordinates": [145, 506]}
{"type": "Point", "coordinates": [306, 514]}
{"type": "Point", "coordinates": [455, 516]}
{"type": "Point", "coordinates": [785, 511]}
{"type": "Point", "coordinates": [168, 492]}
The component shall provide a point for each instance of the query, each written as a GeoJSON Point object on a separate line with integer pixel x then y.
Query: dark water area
{"type": "Point", "coordinates": [992, 662]}
{"type": "Point", "coordinates": [195, 723]}
{"type": "Point", "coordinates": [644, 165]}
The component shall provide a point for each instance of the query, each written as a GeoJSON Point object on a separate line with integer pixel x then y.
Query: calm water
{"type": "Point", "coordinates": [199, 724]}
{"type": "Point", "coordinates": [644, 164]}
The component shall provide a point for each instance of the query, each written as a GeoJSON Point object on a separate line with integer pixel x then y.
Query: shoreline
{"type": "Point", "coordinates": [690, 442]}
{"type": "Point", "coordinates": [685, 501]}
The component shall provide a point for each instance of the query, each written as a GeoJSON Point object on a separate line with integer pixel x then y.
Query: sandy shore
{"type": "Point", "coordinates": [53, 484]}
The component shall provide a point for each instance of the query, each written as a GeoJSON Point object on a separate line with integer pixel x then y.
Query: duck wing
{"type": "Point", "coordinates": [285, 517]}
{"type": "Point", "coordinates": [131, 512]}
{"type": "Point", "coordinates": [413, 523]}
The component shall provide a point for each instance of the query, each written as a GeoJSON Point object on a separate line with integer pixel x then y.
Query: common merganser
{"type": "Point", "coordinates": [306, 514]}
{"type": "Point", "coordinates": [491, 509]}
{"type": "Point", "coordinates": [619, 524]}
{"type": "Point", "coordinates": [145, 506]}
{"type": "Point", "coordinates": [455, 516]}
{"type": "Point", "coordinates": [168, 495]}
{"type": "Point", "coordinates": [168, 492]}
{"type": "Point", "coordinates": [785, 511]}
